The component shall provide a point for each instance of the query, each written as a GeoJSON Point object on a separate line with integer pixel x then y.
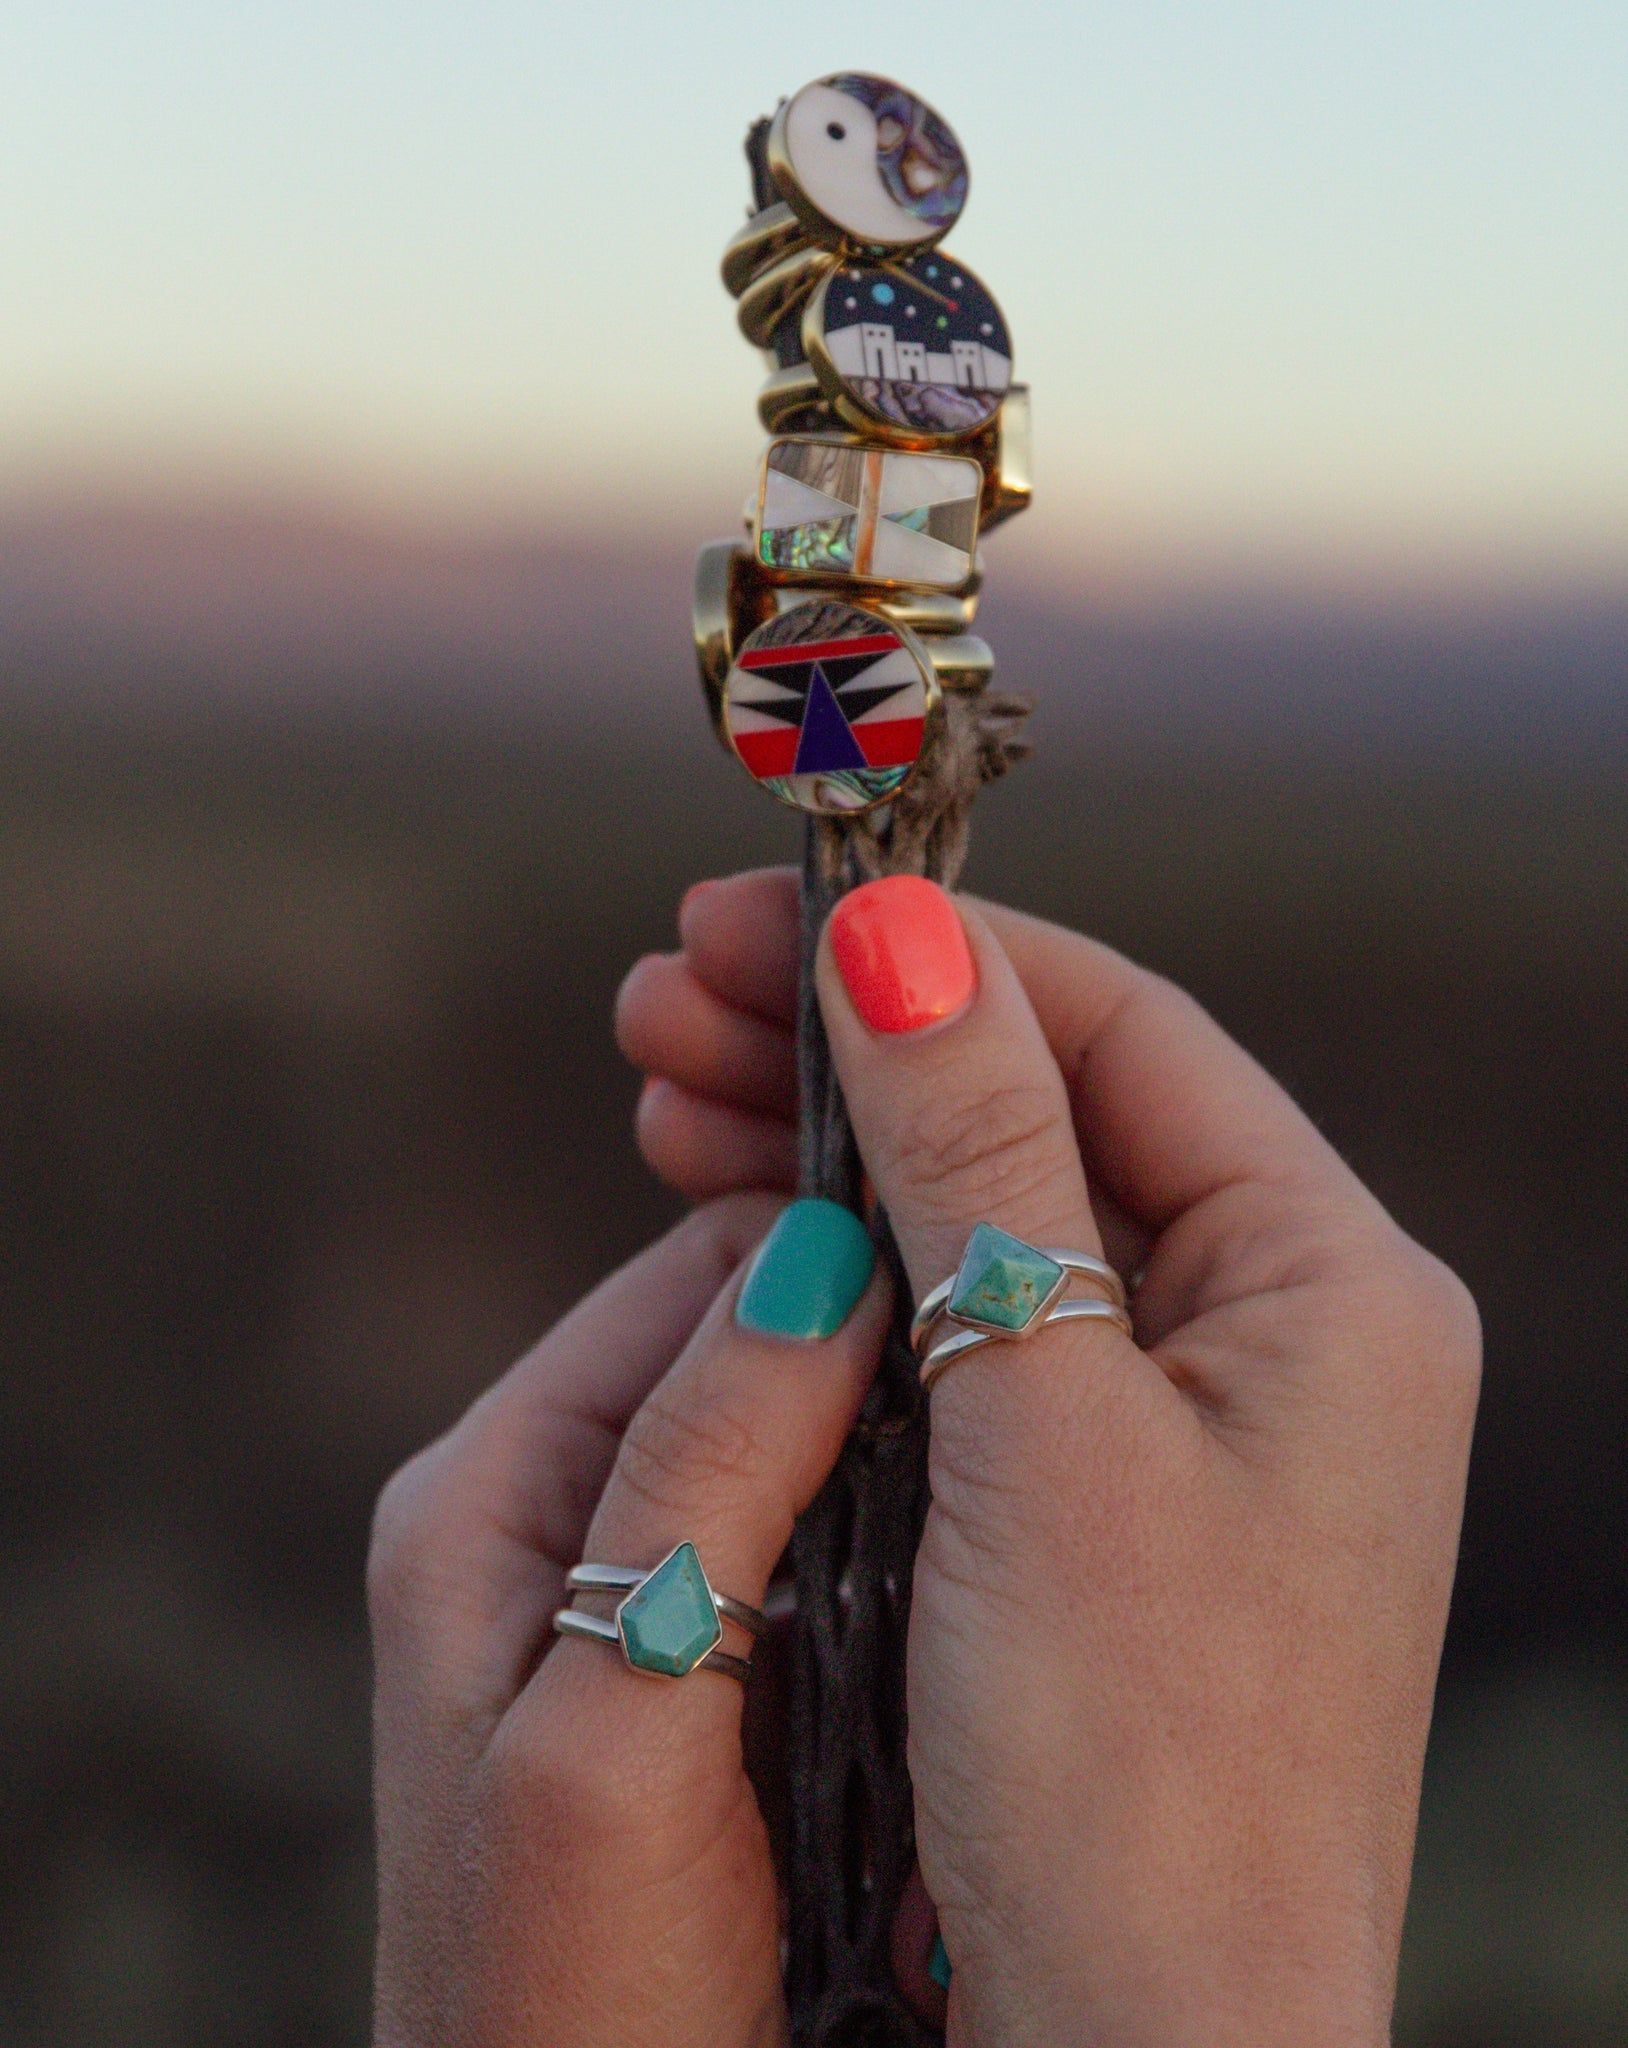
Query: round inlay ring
{"type": "Point", "coordinates": [865, 164]}
{"type": "Point", "coordinates": [830, 705]}
{"type": "Point", "coordinates": [914, 349]}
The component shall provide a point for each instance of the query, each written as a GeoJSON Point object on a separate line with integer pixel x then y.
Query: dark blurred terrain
{"type": "Point", "coordinates": [320, 861]}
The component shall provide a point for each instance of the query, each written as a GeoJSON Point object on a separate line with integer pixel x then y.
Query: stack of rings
{"type": "Point", "coordinates": [1004, 1290]}
{"type": "Point", "coordinates": [669, 1622]}
{"type": "Point", "coordinates": [828, 633]}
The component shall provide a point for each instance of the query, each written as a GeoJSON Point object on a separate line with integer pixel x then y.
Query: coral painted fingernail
{"type": "Point", "coordinates": [809, 1273]}
{"type": "Point", "coordinates": [902, 953]}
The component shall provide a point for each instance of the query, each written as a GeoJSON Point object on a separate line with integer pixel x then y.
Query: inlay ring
{"type": "Point", "coordinates": [1004, 1287]}
{"type": "Point", "coordinates": [669, 1621]}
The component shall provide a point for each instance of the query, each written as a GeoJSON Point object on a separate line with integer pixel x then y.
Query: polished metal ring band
{"type": "Point", "coordinates": [669, 1621]}
{"type": "Point", "coordinates": [942, 1356]}
{"type": "Point", "coordinates": [1094, 1271]}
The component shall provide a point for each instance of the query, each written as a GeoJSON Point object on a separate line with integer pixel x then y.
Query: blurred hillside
{"type": "Point", "coordinates": [321, 856]}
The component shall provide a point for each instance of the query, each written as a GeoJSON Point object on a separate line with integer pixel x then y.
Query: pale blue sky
{"type": "Point", "coordinates": [1332, 285]}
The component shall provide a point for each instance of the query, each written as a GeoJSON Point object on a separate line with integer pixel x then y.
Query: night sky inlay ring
{"type": "Point", "coordinates": [915, 349]}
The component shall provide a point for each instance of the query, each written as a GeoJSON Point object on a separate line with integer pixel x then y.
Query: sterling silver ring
{"type": "Point", "coordinates": [937, 1302]}
{"type": "Point", "coordinates": [669, 1622]}
{"type": "Point", "coordinates": [1003, 1291]}
{"type": "Point", "coordinates": [943, 1356]}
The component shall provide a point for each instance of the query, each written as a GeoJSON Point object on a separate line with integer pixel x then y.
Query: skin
{"type": "Point", "coordinates": [1179, 1605]}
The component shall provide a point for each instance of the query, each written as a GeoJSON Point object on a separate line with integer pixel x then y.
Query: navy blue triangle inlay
{"type": "Point", "coordinates": [826, 741]}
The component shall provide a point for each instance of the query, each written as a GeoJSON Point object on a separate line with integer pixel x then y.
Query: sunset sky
{"type": "Point", "coordinates": [1320, 290]}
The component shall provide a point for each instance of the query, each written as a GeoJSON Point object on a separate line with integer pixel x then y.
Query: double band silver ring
{"type": "Point", "coordinates": [669, 1621]}
{"type": "Point", "coordinates": [1003, 1291]}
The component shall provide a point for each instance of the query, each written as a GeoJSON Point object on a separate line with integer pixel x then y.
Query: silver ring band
{"type": "Point", "coordinates": [669, 1622]}
{"type": "Point", "coordinates": [568, 1622]}
{"type": "Point", "coordinates": [622, 1578]}
{"type": "Point", "coordinates": [943, 1356]}
{"type": "Point", "coordinates": [1082, 1263]}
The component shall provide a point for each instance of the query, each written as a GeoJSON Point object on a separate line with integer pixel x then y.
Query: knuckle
{"type": "Point", "coordinates": [674, 1451]}
{"type": "Point", "coordinates": [551, 1787]}
{"type": "Point", "coordinates": [995, 1143]}
{"type": "Point", "coordinates": [1423, 1318]}
{"type": "Point", "coordinates": [635, 1000]}
{"type": "Point", "coordinates": [1449, 1324]}
{"type": "Point", "coordinates": [399, 1544]}
{"type": "Point", "coordinates": [557, 1792]}
{"type": "Point", "coordinates": [673, 1149]}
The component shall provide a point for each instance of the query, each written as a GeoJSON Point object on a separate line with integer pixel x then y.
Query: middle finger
{"type": "Point", "coordinates": [669, 1022]}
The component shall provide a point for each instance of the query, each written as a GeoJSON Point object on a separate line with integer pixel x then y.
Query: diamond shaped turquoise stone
{"type": "Point", "coordinates": [1002, 1281]}
{"type": "Point", "coordinates": [669, 1623]}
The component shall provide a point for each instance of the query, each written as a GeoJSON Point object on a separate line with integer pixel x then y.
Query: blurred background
{"type": "Point", "coordinates": [365, 390]}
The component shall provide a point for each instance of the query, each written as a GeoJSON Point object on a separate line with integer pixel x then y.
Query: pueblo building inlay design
{"type": "Point", "coordinates": [918, 344]}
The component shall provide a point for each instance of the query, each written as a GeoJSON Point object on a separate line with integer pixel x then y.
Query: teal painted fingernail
{"type": "Point", "coordinates": [938, 1963]}
{"type": "Point", "coordinates": [809, 1272]}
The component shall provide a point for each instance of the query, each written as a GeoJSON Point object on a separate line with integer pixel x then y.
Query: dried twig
{"type": "Point", "coordinates": [853, 1832]}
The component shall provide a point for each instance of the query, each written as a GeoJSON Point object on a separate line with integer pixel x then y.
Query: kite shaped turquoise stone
{"type": "Point", "coordinates": [1003, 1284]}
{"type": "Point", "coordinates": [669, 1623]}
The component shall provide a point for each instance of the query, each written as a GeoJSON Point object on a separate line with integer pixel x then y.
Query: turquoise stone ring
{"type": "Point", "coordinates": [1004, 1290]}
{"type": "Point", "coordinates": [669, 1624]}
{"type": "Point", "coordinates": [670, 1621]}
{"type": "Point", "coordinates": [1003, 1285]}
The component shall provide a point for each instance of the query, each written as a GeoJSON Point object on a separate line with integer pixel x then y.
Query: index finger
{"type": "Point", "coordinates": [472, 1537]}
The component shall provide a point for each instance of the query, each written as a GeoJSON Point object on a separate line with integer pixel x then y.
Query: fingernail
{"type": "Point", "coordinates": [902, 954]}
{"type": "Point", "coordinates": [938, 1963]}
{"type": "Point", "coordinates": [809, 1273]}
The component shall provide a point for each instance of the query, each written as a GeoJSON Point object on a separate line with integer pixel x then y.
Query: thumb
{"type": "Point", "coordinates": [959, 1108]}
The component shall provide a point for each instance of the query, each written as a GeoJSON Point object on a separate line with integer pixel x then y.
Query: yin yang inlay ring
{"type": "Point", "coordinates": [864, 163]}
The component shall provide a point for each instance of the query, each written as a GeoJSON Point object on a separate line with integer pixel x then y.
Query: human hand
{"type": "Point", "coordinates": [1179, 1603]}
{"type": "Point", "coordinates": [569, 1852]}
